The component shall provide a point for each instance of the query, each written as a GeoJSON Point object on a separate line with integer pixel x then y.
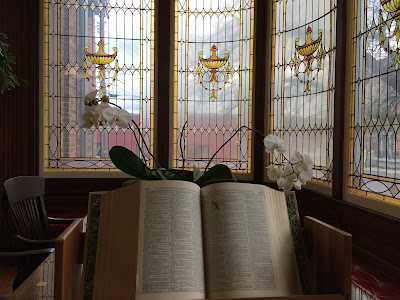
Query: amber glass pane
{"type": "Point", "coordinates": [375, 160]}
{"type": "Point", "coordinates": [213, 82]}
{"type": "Point", "coordinates": [302, 92]}
{"type": "Point", "coordinates": [70, 25]}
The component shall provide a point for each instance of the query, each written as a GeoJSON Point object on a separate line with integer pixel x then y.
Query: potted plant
{"type": "Point", "coordinates": [294, 173]}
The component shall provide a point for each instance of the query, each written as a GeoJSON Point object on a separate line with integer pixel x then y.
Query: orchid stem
{"type": "Point", "coordinates": [141, 136]}
{"type": "Point", "coordinates": [145, 144]}
{"type": "Point", "coordinates": [180, 147]}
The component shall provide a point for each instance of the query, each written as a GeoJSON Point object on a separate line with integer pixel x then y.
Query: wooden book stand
{"type": "Point", "coordinates": [329, 252]}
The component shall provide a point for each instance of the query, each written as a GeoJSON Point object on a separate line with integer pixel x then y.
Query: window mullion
{"type": "Point", "coordinates": [340, 83]}
{"type": "Point", "coordinates": [163, 77]}
{"type": "Point", "coordinates": [262, 29]}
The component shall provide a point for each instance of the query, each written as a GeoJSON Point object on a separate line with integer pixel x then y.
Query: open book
{"type": "Point", "coordinates": [174, 240]}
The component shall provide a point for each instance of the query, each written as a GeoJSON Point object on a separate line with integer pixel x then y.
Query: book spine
{"type": "Point", "coordinates": [92, 237]}
{"type": "Point", "coordinates": [298, 243]}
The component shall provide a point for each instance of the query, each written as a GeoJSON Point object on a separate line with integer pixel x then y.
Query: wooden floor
{"type": "Point", "coordinates": [8, 271]}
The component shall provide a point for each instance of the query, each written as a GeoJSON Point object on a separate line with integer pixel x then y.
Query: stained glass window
{"type": "Point", "coordinates": [213, 82]}
{"type": "Point", "coordinates": [302, 81]}
{"type": "Point", "coordinates": [375, 160]}
{"type": "Point", "coordinates": [124, 28]}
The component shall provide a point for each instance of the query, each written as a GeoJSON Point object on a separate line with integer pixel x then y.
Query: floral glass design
{"type": "Point", "coordinates": [213, 83]}
{"type": "Point", "coordinates": [106, 45]}
{"type": "Point", "coordinates": [375, 134]}
{"type": "Point", "coordinates": [302, 81]}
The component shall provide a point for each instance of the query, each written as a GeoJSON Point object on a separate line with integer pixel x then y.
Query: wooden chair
{"type": "Point", "coordinates": [31, 223]}
{"type": "Point", "coordinates": [31, 240]}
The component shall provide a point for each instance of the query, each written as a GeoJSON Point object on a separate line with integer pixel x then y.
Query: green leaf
{"type": "Point", "coordinates": [196, 173]}
{"type": "Point", "coordinates": [162, 175]}
{"type": "Point", "coordinates": [175, 175]}
{"type": "Point", "coordinates": [130, 181]}
{"type": "Point", "coordinates": [216, 173]}
{"type": "Point", "coordinates": [129, 162]}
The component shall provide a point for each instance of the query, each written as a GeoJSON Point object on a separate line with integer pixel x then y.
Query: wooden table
{"type": "Point", "coordinates": [40, 284]}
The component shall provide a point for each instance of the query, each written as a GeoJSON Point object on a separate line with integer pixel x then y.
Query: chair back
{"type": "Point", "coordinates": [25, 196]}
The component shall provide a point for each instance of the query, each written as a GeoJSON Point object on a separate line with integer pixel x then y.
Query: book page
{"type": "Point", "coordinates": [245, 253]}
{"type": "Point", "coordinates": [170, 247]}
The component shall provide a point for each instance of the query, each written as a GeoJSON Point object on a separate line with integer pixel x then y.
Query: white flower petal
{"type": "Point", "coordinates": [123, 118]}
{"type": "Point", "coordinates": [274, 143]}
{"type": "Point", "coordinates": [304, 176]}
{"type": "Point", "coordinates": [109, 114]}
{"type": "Point", "coordinates": [269, 143]}
{"type": "Point", "coordinates": [308, 161]}
{"type": "Point", "coordinates": [297, 185]}
{"type": "Point", "coordinates": [91, 108]}
{"type": "Point", "coordinates": [296, 157]}
{"type": "Point", "coordinates": [301, 162]}
{"type": "Point", "coordinates": [287, 170]}
{"type": "Point", "coordinates": [281, 182]}
{"type": "Point", "coordinates": [90, 96]}
{"type": "Point", "coordinates": [101, 108]}
{"type": "Point", "coordinates": [274, 173]}
{"type": "Point", "coordinates": [90, 118]}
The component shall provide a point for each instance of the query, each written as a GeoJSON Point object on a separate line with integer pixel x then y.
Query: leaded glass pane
{"type": "Point", "coordinates": [124, 28]}
{"type": "Point", "coordinates": [302, 91]}
{"type": "Point", "coordinates": [375, 160]}
{"type": "Point", "coordinates": [213, 82]}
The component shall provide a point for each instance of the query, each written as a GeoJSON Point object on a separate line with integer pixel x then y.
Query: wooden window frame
{"type": "Point", "coordinates": [345, 65]}
{"type": "Point", "coordinates": [163, 148]}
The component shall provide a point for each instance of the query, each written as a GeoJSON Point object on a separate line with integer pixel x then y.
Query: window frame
{"type": "Point", "coordinates": [373, 202]}
{"type": "Point", "coordinates": [263, 21]}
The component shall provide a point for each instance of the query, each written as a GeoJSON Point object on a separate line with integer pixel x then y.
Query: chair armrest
{"type": "Point", "coordinates": [26, 252]}
{"type": "Point", "coordinates": [329, 253]}
{"type": "Point", "coordinates": [30, 242]}
{"type": "Point", "coordinates": [52, 220]}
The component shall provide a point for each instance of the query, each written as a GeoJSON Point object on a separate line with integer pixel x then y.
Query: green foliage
{"type": "Point", "coordinates": [196, 173]}
{"type": "Point", "coordinates": [8, 79]}
{"type": "Point", "coordinates": [216, 173]}
{"type": "Point", "coordinates": [131, 164]}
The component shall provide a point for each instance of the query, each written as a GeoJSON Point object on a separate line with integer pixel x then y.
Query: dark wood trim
{"type": "Point", "coordinates": [19, 124]}
{"type": "Point", "coordinates": [19, 108]}
{"type": "Point", "coordinates": [338, 134]}
{"type": "Point", "coordinates": [259, 66]}
{"type": "Point", "coordinates": [163, 79]}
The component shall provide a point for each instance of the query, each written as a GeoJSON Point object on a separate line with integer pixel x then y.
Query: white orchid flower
{"type": "Point", "coordinates": [90, 96]}
{"type": "Point", "coordinates": [297, 185]}
{"type": "Point", "coordinates": [304, 176]}
{"type": "Point", "coordinates": [274, 172]}
{"type": "Point", "coordinates": [274, 143]}
{"type": "Point", "coordinates": [301, 162]}
{"type": "Point", "coordinates": [90, 117]}
{"type": "Point", "coordinates": [288, 178]}
{"type": "Point", "coordinates": [101, 108]}
{"type": "Point", "coordinates": [105, 98]}
{"type": "Point", "coordinates": [117, 115]}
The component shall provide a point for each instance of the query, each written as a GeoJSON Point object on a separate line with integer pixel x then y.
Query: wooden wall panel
{"type": "Point", "coordinates": [19, 108]}
{"type": "Point", "coordinates": [375, 236]}
{"type": "Point", "coordinates": [19, 124]}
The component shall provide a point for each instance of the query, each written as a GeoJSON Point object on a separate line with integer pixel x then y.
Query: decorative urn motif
{"type": "Point", "coordinates": [392, 6]}
{"type": "Point", "coordinates": [213, 63]}
{"type": "Point", "coordinates": [310, 46]}
{"type": "Point", "coordinates": [100, 58]}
